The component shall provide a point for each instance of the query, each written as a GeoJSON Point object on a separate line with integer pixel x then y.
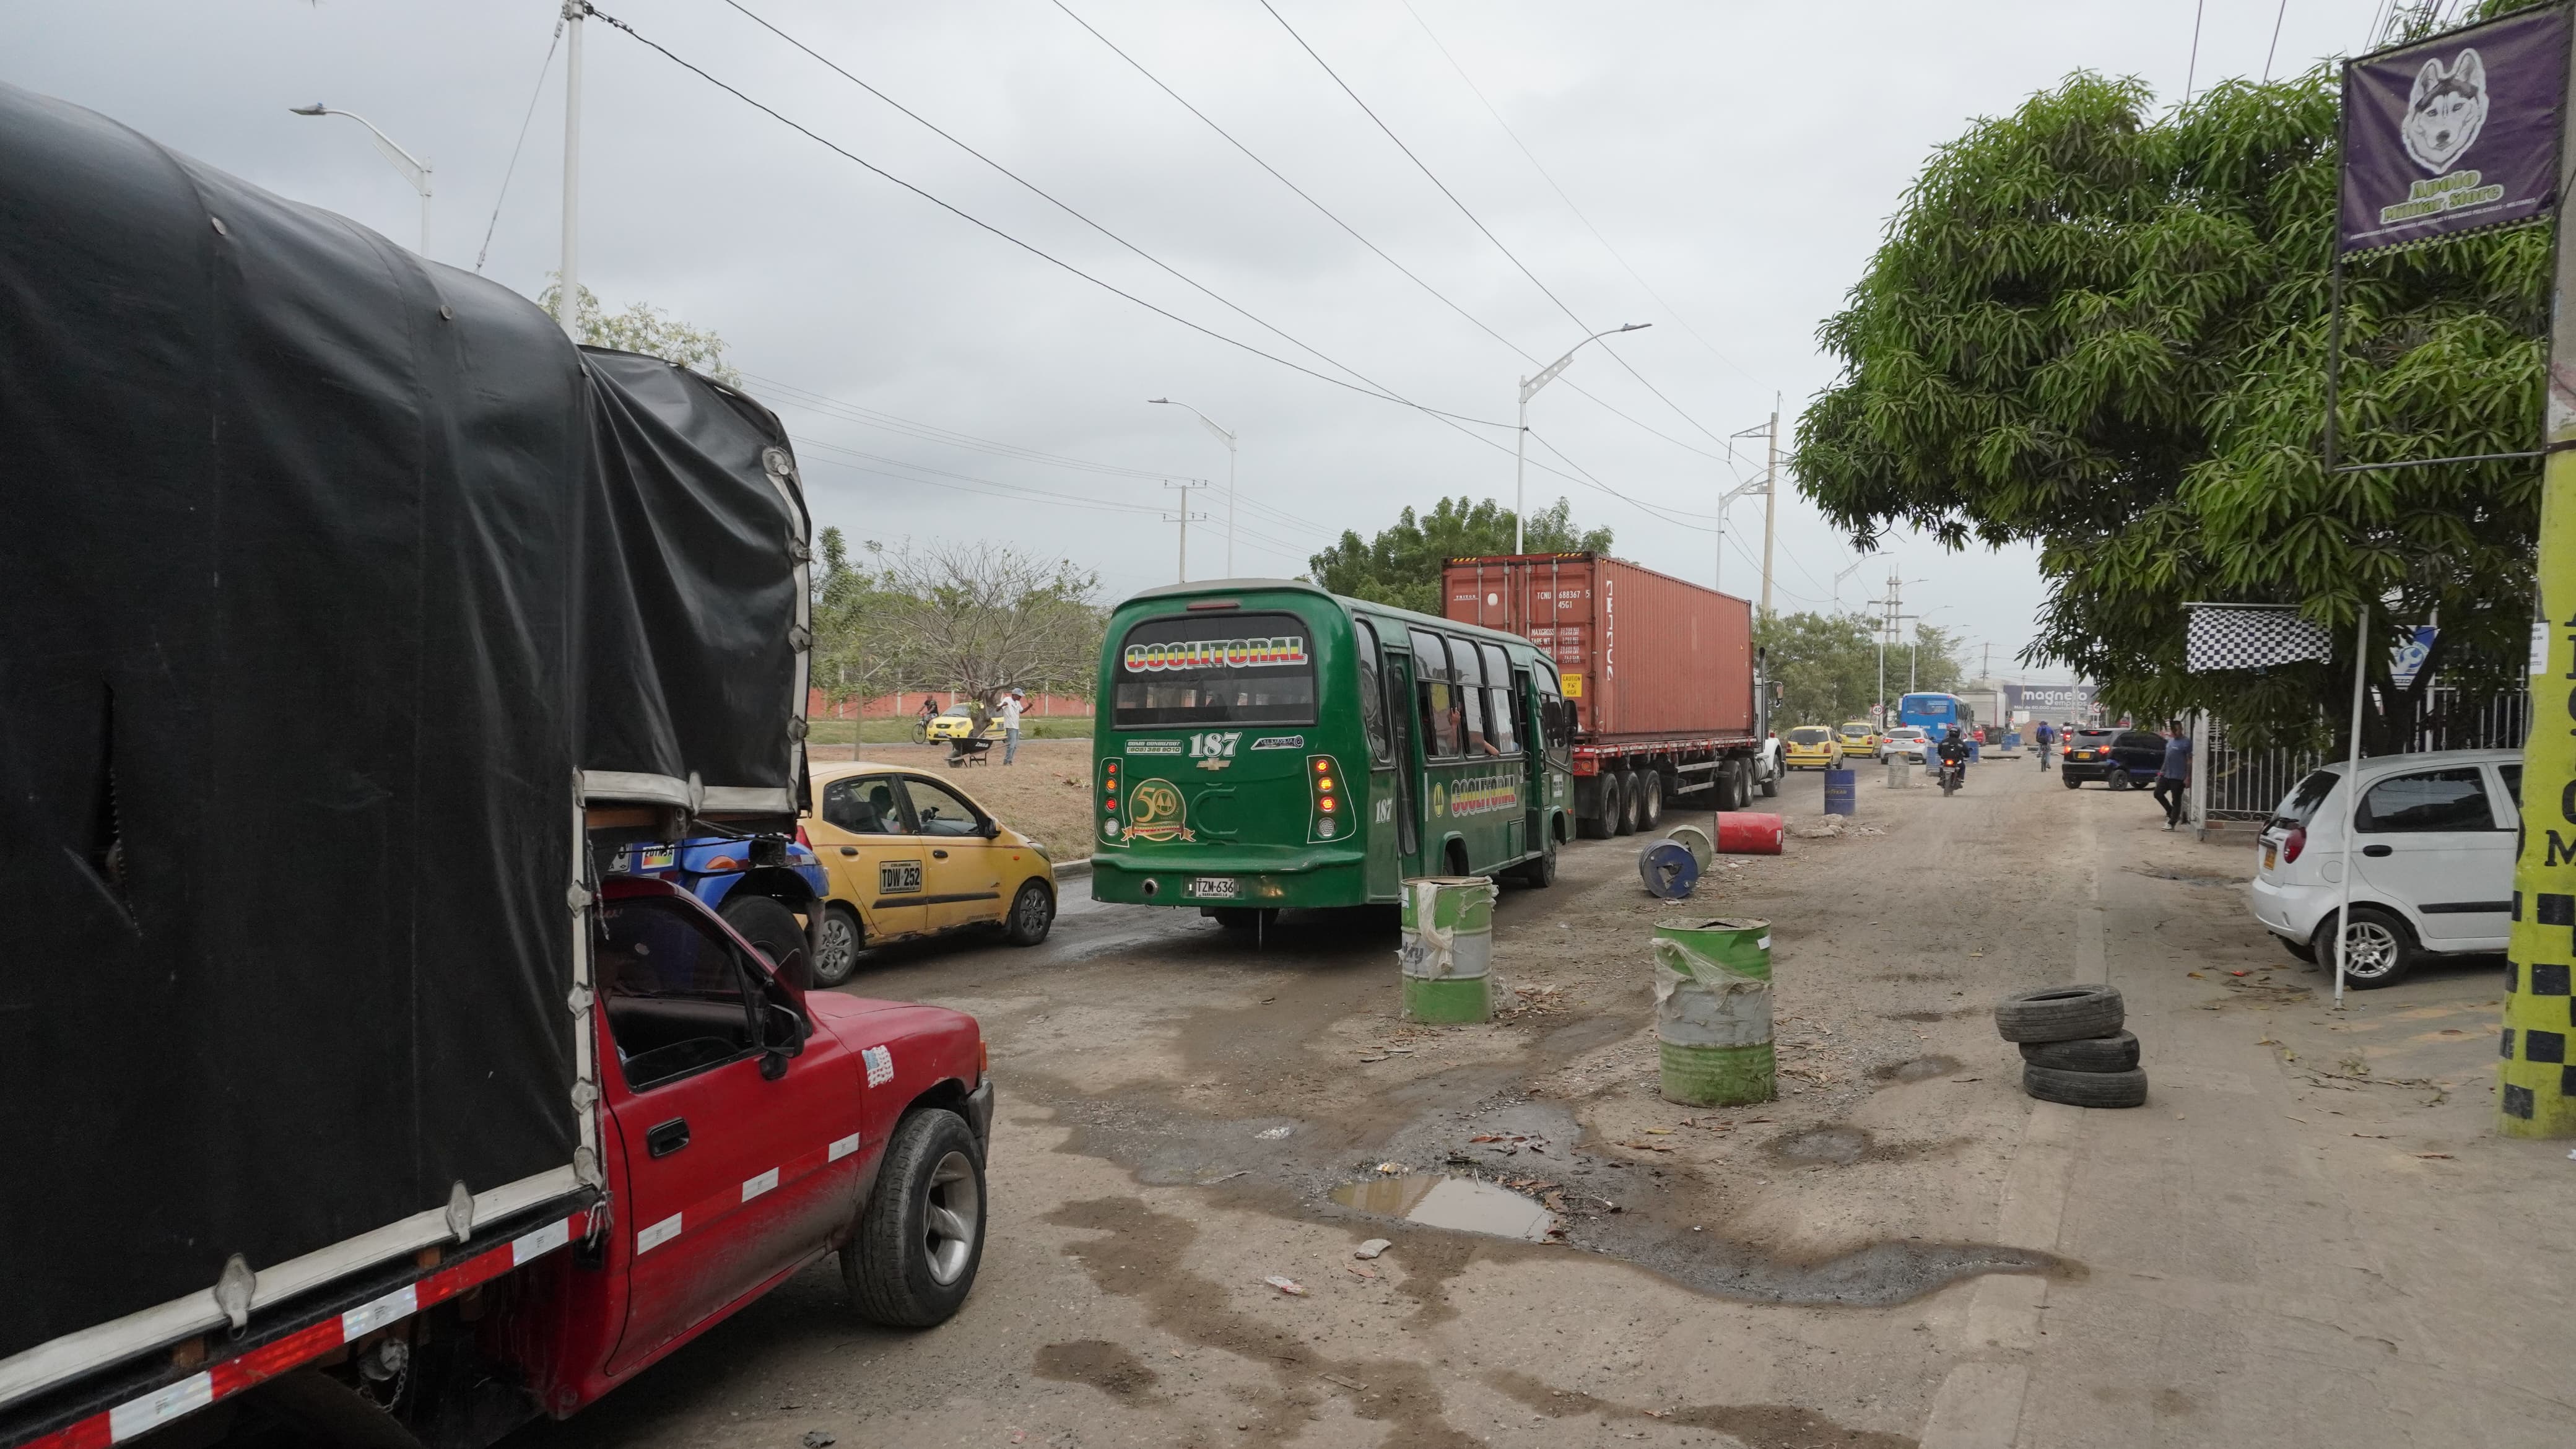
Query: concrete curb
{"type": "Point", "coordinates": [1073, 870]}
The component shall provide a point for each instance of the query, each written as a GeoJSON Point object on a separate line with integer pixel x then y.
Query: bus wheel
{"type": "Point", "coordinates": [1650, 798]}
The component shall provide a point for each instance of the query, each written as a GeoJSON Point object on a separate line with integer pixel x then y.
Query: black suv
{"type": "Point", "coordinates": [2121, 759]}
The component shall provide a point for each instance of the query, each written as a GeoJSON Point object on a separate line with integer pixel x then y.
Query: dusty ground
{"type": "Point", "coordinates": [1047, 794]}
{"type": "Point", "coordinates": [2308, 1237]}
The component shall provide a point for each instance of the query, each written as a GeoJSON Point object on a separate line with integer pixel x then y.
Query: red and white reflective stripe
{"type": "Point", "coordinates": [705, 1211]}
{"type": "Point", "coordinates": [223, 1380]}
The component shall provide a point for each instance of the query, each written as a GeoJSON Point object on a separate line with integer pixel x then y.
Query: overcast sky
{"type": "Point", "coordinates": [1740, 159]}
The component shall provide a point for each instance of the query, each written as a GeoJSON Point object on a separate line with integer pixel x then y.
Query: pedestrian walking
{"type": "Point", "coordinates": [2175, 774]}
{"type": "Point", "coordinates": [2046, 737]}
{"type": "Point", "coordinates": [1011, 705]}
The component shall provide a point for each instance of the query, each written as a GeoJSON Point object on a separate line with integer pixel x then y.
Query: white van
{"type": "Point", "coordinates": [2433, 861]}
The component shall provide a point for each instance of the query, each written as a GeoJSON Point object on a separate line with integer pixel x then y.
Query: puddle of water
{"type": "Point", "coordinates": [1840, 1146]}
{"type": "Point", "coordinates": [1462, 1203]}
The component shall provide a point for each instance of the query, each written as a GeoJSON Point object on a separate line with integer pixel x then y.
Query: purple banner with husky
{"type": "Point", "coordinates": [2453, 133]}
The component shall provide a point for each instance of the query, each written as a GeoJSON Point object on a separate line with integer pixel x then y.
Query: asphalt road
{"type": "Point", "coordinates": [2306, 1238]}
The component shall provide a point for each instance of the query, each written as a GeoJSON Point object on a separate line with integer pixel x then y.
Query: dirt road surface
{"type": "Point", "coordinates": [2307, 1237]}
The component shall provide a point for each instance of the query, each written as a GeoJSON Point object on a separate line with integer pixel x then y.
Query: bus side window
{"type": "Point", "coordinates": [1478, 741]}
{"type": "Point", "coordinates": [1499, 700]}
{"type": "Point", "coordinates": [1436, 695]}
{"type": "Point", "coordinates": [1372, 692]}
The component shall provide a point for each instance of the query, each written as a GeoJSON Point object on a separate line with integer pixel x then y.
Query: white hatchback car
{"type": "Point", "coordinates": [2432, 854]}
{"type": "Point", "coordinates": [1906, 740]}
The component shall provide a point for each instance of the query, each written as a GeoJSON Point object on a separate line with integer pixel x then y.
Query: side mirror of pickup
{"type": "Point", "coordinates": [783, 1030]}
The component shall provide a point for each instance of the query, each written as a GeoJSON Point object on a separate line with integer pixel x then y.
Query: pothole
{"type": "Point", "coordinates": [1462, 1203]}
{"type": "Point", "coordinates": [1918, 1069]}
{"type": "Point", "coordinates": [1837, 1146]}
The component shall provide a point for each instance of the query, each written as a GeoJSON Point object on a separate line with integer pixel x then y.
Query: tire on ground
{"type": "Point", "coordinates": [2085, 1089]}
{"type": "Point", "coordinates": [890, 1262]}
{"type": "Point", "coordinates": [2060, 1013]}
{"type": "Point", "coordinates": [2117, 1052]}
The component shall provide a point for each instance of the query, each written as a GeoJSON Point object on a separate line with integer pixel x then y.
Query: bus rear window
{"type": "Point", "coordinates": [1229, 669]}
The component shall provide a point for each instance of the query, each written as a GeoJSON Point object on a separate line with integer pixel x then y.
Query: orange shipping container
{"type": "Point", "coordinates": [1642, 655]}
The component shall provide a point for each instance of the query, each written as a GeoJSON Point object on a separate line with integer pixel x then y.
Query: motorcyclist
{"type": "Point", "coordinates": [1953, 752]}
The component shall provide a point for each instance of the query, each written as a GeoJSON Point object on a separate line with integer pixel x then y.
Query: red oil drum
{"type": "Point", "coordinates": [1749, 832]}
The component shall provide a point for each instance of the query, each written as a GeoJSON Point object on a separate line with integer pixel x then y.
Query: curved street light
{"type": "Point", "coordinates": [413, 169]}
{"type": "Point", "coordinates": [1520, 437]}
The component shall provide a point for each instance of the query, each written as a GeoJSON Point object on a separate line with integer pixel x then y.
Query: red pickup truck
{"type": "Point", "coordinates": [357, 630]}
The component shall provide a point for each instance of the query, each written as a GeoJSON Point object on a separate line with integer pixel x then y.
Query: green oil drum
{"type": "Point", "coordinates": [1448, 949]}
{"type": "Point", "coordinates": [1713, 1012]}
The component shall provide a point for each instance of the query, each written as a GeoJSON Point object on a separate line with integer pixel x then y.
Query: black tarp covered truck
{"type": "Point", "coordinates": [349, 617]}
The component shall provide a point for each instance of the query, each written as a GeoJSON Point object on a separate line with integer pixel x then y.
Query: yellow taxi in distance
{"type": "Point", "coordinates": [909, 856]}
{"type": "Point", "coordinates": [1860, 738]}
{"type": "Point", "coordinates": [1810, 747]}
{"type": "Point", "coordinates": [956, 724]}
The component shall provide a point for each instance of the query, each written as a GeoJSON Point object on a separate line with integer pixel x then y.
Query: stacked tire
{"type": "Point", "coordinates": [2073, 1048]}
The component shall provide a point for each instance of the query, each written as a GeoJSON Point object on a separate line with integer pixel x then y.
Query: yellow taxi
{"type": "Point", "coordinates": [1810, 747]}
{"type": "Point", "coordinates": [910, 856]}
{"type": "Point", "coordinates": [956, 724]}
{"type": "Point", "coordinates": [1860, 738]}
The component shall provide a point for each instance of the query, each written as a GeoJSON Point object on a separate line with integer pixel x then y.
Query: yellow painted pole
{"type": "Point", "coordinates": [2535, 1078]}
{"type": "Point", "coordinates": [2536, 1075]}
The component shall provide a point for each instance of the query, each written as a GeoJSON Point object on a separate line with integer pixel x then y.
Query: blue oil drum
{"type": "Point", "coordinates": [1840, 789]}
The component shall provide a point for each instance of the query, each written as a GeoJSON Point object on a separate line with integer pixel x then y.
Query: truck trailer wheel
{"type": "Point", "coordinates": [1614, 803]}
{"type": "Point", "coordinates": [1650, 798]}
{"type": "Point", "coordinates": [1623, 821]}
{"type": "Point", "coordinates": [920, 1238]}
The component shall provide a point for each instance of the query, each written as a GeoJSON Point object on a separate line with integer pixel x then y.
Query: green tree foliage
{"type": "Point", "coordinates": [1827, 665]}
{"type": "Point", "coordinates": [976, 618]}
{"type": "Point", "coordinates": [2104, 331]}
{"type": "Point", "coordinates": [1401, 566]}
{"type": "Point", "coordinates": [645, 328]}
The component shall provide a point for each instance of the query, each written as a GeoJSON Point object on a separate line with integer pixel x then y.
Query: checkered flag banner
{"type": "Point", "coordinates": [2252, 636]}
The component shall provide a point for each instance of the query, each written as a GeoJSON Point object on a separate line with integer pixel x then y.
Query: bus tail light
{"type": "Point", "coordinates": [1109, 798]}
{"type": "Point", "coordinates": [1324, 787]}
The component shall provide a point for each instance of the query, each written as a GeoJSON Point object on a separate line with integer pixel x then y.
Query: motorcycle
{"type": "Point", "coordinates": [1953, 775]}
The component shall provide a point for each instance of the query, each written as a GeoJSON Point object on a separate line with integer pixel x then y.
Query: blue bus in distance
{"type": "Point", "coordinates": [1935, 713]}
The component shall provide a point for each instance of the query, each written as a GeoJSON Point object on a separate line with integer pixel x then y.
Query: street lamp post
{"type": "Point", "coordinates": [1520, 436]}
{"type": "Point", "coordinates": [414, 170]}
{"type": "Point", "coordinates": [1226, 438]}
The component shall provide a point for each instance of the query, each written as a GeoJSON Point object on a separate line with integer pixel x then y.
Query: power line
{"type": "Point", "coordinates": [1453, 421]}
{"type": "Point", "coordinates": [1042, 194]}
{"type": "Point", "coordinates": [796, 396]}
{"type": "Point", "coordinates": [1535, 165]}
{"type": "Point", "coordinates": [1373, 390]}
{"type": "Point", "coordinates": [1586, 478]}
{"type": "Point", "coordinates": [1329, 215]}
{"type": "Point", "coordinates": [1473, 219]}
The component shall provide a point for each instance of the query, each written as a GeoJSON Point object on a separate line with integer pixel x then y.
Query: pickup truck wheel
{"type": "Point", "coordinates": [1032, 915]}
{"type": "Point", "coordinates": [770, 927]}
{"type": "Point", "coordinates": [836, 953]}
{"type": "Point", "coordinates": [920, 1238]}
{"type": "Point", "coordinates": [1770, 784]}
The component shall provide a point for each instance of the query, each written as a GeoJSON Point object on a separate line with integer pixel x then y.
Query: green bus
{"type": "Point", "coordinates": [1262, 743]}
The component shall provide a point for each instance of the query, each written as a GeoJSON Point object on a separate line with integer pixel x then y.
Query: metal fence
{"type": "Point", "coordinates": [2245, 784]}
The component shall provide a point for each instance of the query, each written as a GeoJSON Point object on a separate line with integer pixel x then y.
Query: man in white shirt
{"type": "Point", "coordinates": [1011, 705]}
